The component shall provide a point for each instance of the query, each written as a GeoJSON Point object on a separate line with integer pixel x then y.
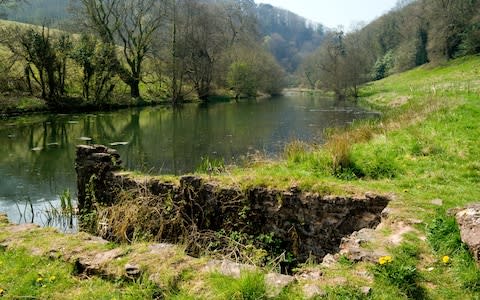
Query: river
{"type": "Point", "coordinates": [38, 152]}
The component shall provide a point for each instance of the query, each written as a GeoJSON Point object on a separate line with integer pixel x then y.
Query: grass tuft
{"type": "Point", "coordinates": [250, 286]}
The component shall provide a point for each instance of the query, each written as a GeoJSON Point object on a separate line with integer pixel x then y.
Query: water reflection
{"type": "Point", "coordinates": [37, 161]}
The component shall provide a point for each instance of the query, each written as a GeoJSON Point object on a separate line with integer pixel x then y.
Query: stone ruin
{"type": "Point", "coordinates": [304, 224]}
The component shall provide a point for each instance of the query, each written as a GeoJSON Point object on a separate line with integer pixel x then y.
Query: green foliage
{"type": "Point", "coordinates": [296, 151]}
{"type": "Point", "coordinates": [242, 79]}
{"type": "Point", "coordinates": [250, 286]}
{"type": "Point", "coordinates": [383, 66]}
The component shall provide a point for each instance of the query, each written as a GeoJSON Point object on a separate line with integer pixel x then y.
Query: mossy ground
{"type": "Point", "coordinates": [424, 148]}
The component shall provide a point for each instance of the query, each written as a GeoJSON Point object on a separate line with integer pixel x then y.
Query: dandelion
{"type": "Point", "coordinates": [39, 280]}
{"type": "Point", "coordinates": [52, 278]}
{"type": "Point", "coordinates": [446, 259]}
{"type": "Point", "coordinates": [385, 260]}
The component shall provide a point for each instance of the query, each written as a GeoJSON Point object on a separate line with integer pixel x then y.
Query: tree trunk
{"type": "Point", "coordinates": [134, 88]}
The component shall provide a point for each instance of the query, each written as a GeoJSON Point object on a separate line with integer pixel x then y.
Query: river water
{"type": "Point", "coordinates": [37, 152]}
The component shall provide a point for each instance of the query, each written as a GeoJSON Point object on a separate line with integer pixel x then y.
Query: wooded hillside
{"type": "Point", "coordinates": [412, 34]}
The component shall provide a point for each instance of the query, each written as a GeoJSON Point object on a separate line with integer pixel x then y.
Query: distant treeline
{"type": "Point", "coordinates": [288, 36]}
{"type": "Point", "coordinates": [412, 34]}
{"type": "Point", "coordinates": [168, 49]}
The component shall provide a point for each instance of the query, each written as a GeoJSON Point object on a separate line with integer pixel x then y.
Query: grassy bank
{"type": "Point", "coordinates": [424, 152]}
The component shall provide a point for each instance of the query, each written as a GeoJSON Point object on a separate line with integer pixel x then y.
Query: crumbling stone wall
{"type": "Point", "coordinates": [306, 223]}
{"type": "Point", "coordinates": [95, 166]}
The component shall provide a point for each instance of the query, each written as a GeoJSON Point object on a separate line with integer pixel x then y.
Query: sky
{"type": "Point", "coordinates": [333, 13]}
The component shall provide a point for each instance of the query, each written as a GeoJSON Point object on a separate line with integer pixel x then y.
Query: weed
{"type": "Point", "coordinates": [444, 237]}
{"type": "Point", "coordinates": [400, 270]}
{"type": "Point", "coordinates": [339, 147]}
{"type": "Point", "coordinates": [211, 166]}
{"type": "Point", "coordinates": [344, 292]}
{"type": "Point", "coordinates": [377, 163]}
{"type": "Point", "coordinates": [66, 202]}
{"type": "Point", "coordinates": [345, 261]}
{"type": "Point", "coordinates": [296, 151]}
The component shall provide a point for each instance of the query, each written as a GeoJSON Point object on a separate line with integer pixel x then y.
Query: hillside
{"type": "Point", "coordinates": [288, 36]}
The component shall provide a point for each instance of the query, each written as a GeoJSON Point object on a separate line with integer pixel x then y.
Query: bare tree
{"type": "Point", "coordinates": [131, 24]}
{"type": "Point", "coordinates": [240, 19]}
{"type": "Point", "coordinates": [355, 66]}
{"type": "Point", "coordinates": [331, 57]}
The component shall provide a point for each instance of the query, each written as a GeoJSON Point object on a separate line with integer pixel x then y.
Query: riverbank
{"type": "Point", "coordinates": [18, 105]}
{"type": "Point", "coordinates": [11, 106]}
{"type": "Point", "coordinates": [424, 153]}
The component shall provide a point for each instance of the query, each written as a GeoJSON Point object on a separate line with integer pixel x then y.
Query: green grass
{"type": "Point", "coordinates": [444, 238]}
{"type": "Point", "coordinates": [250, 286]}
{"type": "Point", "coordinates": [425, 147]}
{"type": "Point", "coordinates": [26, 276]}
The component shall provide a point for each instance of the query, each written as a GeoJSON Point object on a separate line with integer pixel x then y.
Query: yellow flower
{"type": "Point", "coordinates": [39, 279]}
{"type": "Point", "coordinates": [52, 278]}
{"type": "Point", "coordinates": [385, 260]}
{"type": "Point", "coordinates": [445, 259]}
{"type": "Point", "coordinates": [2, 291]}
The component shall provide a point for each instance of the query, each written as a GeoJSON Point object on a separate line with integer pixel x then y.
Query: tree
{"type": "Point", "coordinates": [131, 24]}
{"type": "Point", "coordinates": [83, 54]}
{"type": "Point", "coordinates": [331, 57]}
{"type": "Point", "coordinates": [204, 42]}
{"type": "Point", "coordinates": [355, 67]}
{"type": "Point", "coordinates": [98, 68]}
{"type": "Point", "coordinates": [309, 71]}
{"type": "Point", "coordinates": [41, 57]}
{"type": "Point", "coordinates": [241, 21]}
{"type": "Point", "coordinates": [242, 79]}
{"type": "Point", "coordinates": [254, 70]}
{"type": "Point", "coordinates": [449, 21]}
{"type": "Point", "coordinates": [63, 48]}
